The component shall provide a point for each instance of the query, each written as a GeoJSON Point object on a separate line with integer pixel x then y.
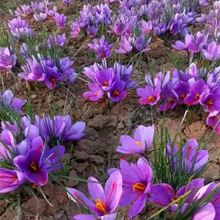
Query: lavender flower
{"type": "Point", "coordinates": [7, 58]}
{"type": "Point", "coordinates": [143, 138]}
{"type": "Point", "coordinates": [10, 180]}
{"type": "Point", "coordinates": [19, 28]}
{"type": "Point", "coordinates": [106, 200]}
{"type": "Point", "coordinates": [136, 183]}
{"type": "Point", "coordinates": [60, 20]}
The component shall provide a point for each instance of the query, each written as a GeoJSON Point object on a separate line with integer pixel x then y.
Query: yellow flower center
{"type": "Point", "coordinates": [151, 98]}
{"type": "Point", "coordinates": [100, 205]}
{"type": "Point", "coordinates": [138, 143]}
{"type": "Point", "coordinates": [139, 186]}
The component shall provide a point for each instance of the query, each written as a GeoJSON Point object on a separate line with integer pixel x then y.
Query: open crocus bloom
{"type": "Point", "coordinates": [10, 180]}
{"type": "Point", "coordinates": [106, 200]}
{"type": "Point", "coordinates": [163, 194]}
{"type": "Point", "coordinates": [143, 137]}
{"type": "Point", "coordinates": [136, 184]}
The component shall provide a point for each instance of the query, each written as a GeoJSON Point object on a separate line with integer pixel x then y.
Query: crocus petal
{"type": "Point", "coordinates": [84, 217]}
{"type": "Point", "coordinates": [95, 189]}
{"type": "Point", "coordinates": [207, 212]}
{"type": "Point", "coordinates": [113, 191]}
{"type": "Point", "coordinates": [138, 205]}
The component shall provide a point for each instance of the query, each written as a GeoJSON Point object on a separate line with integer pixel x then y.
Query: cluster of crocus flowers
{"type": "Point", "coordinates": [34, 150]}
{"type": "Point", "coordinates": [90, 19]}
{"type": "Point", "coordinates": [191, 87]}
{"type": "Point", "coordinates": [134, 185]}
{"type": "Point", "coordinates": [48, 70]}
{"type": "Point", "coordinates": [111, 82]}
{"type": "Point", "coordinates": [210, 49]}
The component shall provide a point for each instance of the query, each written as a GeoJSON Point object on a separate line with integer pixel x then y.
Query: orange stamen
{"type": "Point", "coordinates": [14, 179]}
{"type": "Point", "coordinates": [138, 143]}
{"type": "Point", "coordinates": [151, 98]}
{"type": "Point", "coordinates": [197, 96]}
{"type": "Point", "coordinates": [115, 93]}
{"type": "Point", "coordinates": [52, 79]}
{"type": "Point", "coordinates": [183, 96]}
{"type": "Point", "coordinates": [100, 205]}
{"type": "Point", "coordinates": [105, 83]}
{"type": "Point", "coordinates": [33, 166]}
{"type": "Point", "coordinates": [170, 100]}
{"type": "Point", "coordinates": [139, 186]}
{"type": "Point", "coordinates": [209, 102]}
{"type": "Point", "coordinates": [96, 92]}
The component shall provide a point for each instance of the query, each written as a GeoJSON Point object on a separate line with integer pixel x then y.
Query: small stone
{"type": "Point", "coordinates": [72, 179]}
{"type": "Point", "coordinates": [120, 125]}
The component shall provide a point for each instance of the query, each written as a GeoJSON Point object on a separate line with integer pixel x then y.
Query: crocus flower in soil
{"type": "Point", "coordinates": [146, 27]}
{"type": "Point", "coordinates": [75, 30]}
{"type": "Point", "coordinates": [60, 20]}
{"type": "Point", "coordinates": [101, 47]}
{"type": "Point", "coordinates": [124, 46]}
{"type": "Point", "coordinates": [105, 78]}
{"type": "Point", "coordinates": [23, 11]}
{"type": "Point", "coordinates": [40, 17]}
{"type": "Point", "coordinates": [213, 120]}
{"type": "Point", "coordinates": [149, 95]}
{"type": "Point", "coordinates": [95, 93]}
{"type": "Point", "coordinates": [143, 138]}
{"type": "Point", "coordinates": [10, 180]}
{"type": "Point", "coordinates": [193, 97]}
{"type": "Point", "coordinates": [33, 166]}
{"type": "Point", "coordinates": [210, 99]}
{"type": "Point", "coordinates": [212, 53]}
{"type": "Point", "coordinates": [117, 92]}
{"type": "Point", "coordinates": [163, 194]}
{"type": "Point", "coordinates": [92, 31]}
{"type": "Point", "coordinates": [8, 99]}
{"type": "Point", "coordinates": [141, 44]}
{"type": "Point", "coordinates": [7, 58]}
{"type": "Point", "coordinates": [51, 78]}
{"type": "Point", "coordinates": [60, 127]}
{"type": "Point", "coordinates": [60, 40]}
{"type": "Point", "coordinates": [19, 28]}
{"type": "Point", "coordinates": [106, 200]}
{"type": "Point", "coordinates": [192, 158]}
{"type": "Point", "coordinates": [136, 184]}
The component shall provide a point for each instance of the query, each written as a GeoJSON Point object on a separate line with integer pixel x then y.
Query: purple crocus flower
{"type": "Point", "coordinates": [60, 20]}
{"type": "Point", "coordinates": [193, 160]}
{"type": "Point", "coordinates": [60, 40]}
{"type": "Point", "coordinates": [9, 99]}
{"type": "Point", "coordinates": [60, 127]}
{"type": "Point", "coordinates": [92, 31]}
{"type": "Point", "coordinates": [33, 166]}
{"type": "Point", "coordinates": [106, 200]}
{"type": "Point", "coordinates": [214, 205]}
{"type": "Point", "coordinates": [23, 11]}
{"type": "Point", "coordinates": [207, 211]}
{"type": "Point", "coordinates": [40, 17]}
{"type": "Point", "coordinates": [7, 58]}
{"type": "Point", "coordinates": [105, 78]}
{"type": "Point", "coordinates": [124, 46]}
{"type": "Point", "coordinates": [210, 99]}
{"type": "Point", "coordinates": [117, 92]}
{"type": "Point", "coordinates": [146, 27]}
{"type": "Point", "coordinates": [10, 180]}
{"type": "Point", "coordinates": [213, 120]}
{"type": "Point", "coordinates": [163, 194]}
{"type": "Point", "coordinates": [95, 93]}
{"type": "Point", "coordinates": [212, 53]}
{"type": "Point", "coordinates": [19, 28]}
{"type": "Point", "coordinates": [149, 95]}
{"type": "Point", "coordinates": [51, 78]}
{"type": "Point", "coordinates": [141, 44]}
{"type": "Point", "coordinates": [101, 47]}
{"type": "Point", "coordinates": [193, 97]}
{"type": "Point", "coordinates": [143, 138]}
{"type": "Point", "coordinates": [75, 30]}
{"type": "Point", "coordinates": [136, 184]}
